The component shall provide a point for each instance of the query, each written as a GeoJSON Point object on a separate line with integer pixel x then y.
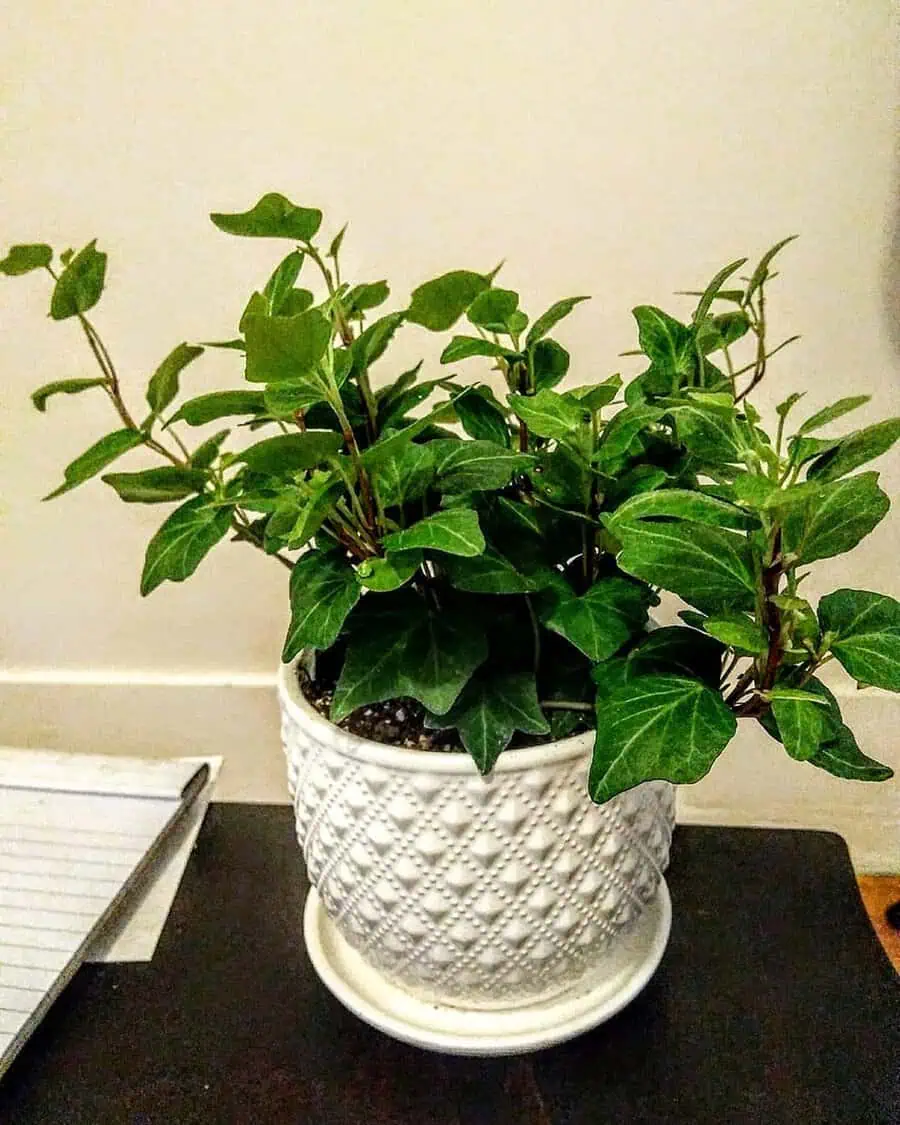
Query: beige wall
{"type": "Point", "coordinates": [618, 148]}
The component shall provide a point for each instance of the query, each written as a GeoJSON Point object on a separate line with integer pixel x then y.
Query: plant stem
{"type": "Point", "coordinates": [536, 633]}
{"type": "Point", "coordinates": [247, 534]}
{"type": "Point", "coordinates": [566, 705]}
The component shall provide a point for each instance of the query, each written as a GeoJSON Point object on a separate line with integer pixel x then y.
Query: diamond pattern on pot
{"type": "Point", "coordinates": [478, 890]}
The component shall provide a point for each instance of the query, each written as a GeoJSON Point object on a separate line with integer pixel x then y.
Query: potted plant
{"type": "Point", "coordinates": [481, 723]}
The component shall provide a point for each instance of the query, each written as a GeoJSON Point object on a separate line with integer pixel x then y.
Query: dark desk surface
{"type": "Point", "coordinates": [774, 1004]}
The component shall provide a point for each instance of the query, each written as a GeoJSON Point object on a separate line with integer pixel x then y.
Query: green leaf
{"type": "Point", "coordinates": [682, 504]}
{"type": "Point", "coordinates": [462, 466]}
{"type": "Point", "coordinates": [549, 364]}
{"type": "Point", "coordinates": [488, 573]}
{"type": "Point", "coordinates": [492, 309]}
{"type": "Point", "coordinates": [296, 301]}
{"type": "Point", "coordinates": [855, 450]}
{"type": "Point", "coordinates": [549, 414]}
{"type": "Point", "coordinates": [482, 417]}
{"type": "Point", "coordinates": [291, 453]}
{"type": "Point", "coordinates": [80, 284]}
{"type": "Point", "coordinates": [761, 273]}
{"type": "Point", "coordinates": [663, 339]}
{"type": "Point", "coordinates": [599, 622]}
{"type": "Point", "coordinates": [438, 304]}
{"type": "Point", "coordinates": [620, 435]}
{"type": "Point", "coordinates": [226, 345]}
{"type": "Point", "coordinates": [26, 257]}
{"type": "Point", "coordinates": [285, 347]}
{"type": "Point", "coordinates": [552, 316]}
{"type": "Point", "coordinates": [737, 631]}
{"type": "Point", "coordinates": [323, 590]}
{"type": "Point", "coordinates": [834, 518]}
{"type": "Point", "coordinates": [372, 343]}
{"type": "Point", "coordinates": [666, 727]}
{"type": "Point", "coordinates": [95, 459]}
{"type": "Point", "coordinates": [714, 289]}
{"type": "Point", "coordinates": [802, 725]}
{"type": "Point", "coordinates": [368, 295]}
{"type": "Point", "coordinates": [63, 387]}
{"type": "Point", "coordinates": [394, 408]}
{"type": "Point", "coordinates": [464, 347]}
{"type": "Point", "coordinates": [708, 430]}
{"type": "Point", "coordinates": [205, 453]}
{"type": "Point", "coordinates": [156, 486]}
{"type": "Point", "coordinates": [784, 408]}
{"type": "Point", "coordinates": [490, 709]}
{"type": "Point", "coordinates": [866, 628]}
{"type": "Point", "coordinates": [455, 532]}
{"type": "Point", "coordinates": [282, 281]}
{"type": "Point", "coordinates": [718, 332]}
{"type": "Point", "coordinates": [325, 488]}
{"type": "Point", "coordinates": [754, 490]}
{"type": "Point", "coordinates": [183, 541]}
{"type": "Point", "coordinates": [832, 413]}
{"type": "Point", "coordinates": [334, 247]}
{"type": "Point", "coordinates": [405, 651]}
{"type": "Point", "coordinates": [711, 569]}
{"type": "Point", "coordinates": [219, 404]}
{"type": "Point", "coordinates": [678, 651]}
{"type": "Point", "coordinates": [390, 572]}
{"type": "Point", "coordinates": [597, 395]}
{"type": "Point", "coordinates": [842, 757]}
{"type": "Point", "coordinates": [386, 448]}
{"type": "Point", "coordinates": [273, 216]}
{"type": "Point", "coordinates": [406, 475]}
{"type": "Point", "coordinates": [163, 385]}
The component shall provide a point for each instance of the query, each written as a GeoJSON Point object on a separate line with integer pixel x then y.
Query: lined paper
{"type": "Point", "coordinates": [73, 831]}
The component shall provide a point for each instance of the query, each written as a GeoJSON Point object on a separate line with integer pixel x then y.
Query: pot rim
{"type": "Point", "coordinates": [413, 760]}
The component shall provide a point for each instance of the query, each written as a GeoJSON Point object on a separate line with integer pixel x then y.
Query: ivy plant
{"type": "Point", "coordinates": [489, 544]}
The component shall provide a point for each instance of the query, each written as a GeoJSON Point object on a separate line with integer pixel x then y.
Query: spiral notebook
{"type": "Point", "coordinates": [78, 833]}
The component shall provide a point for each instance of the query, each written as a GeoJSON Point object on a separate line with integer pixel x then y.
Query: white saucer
{"type": "Point", "coordinates": [436, 1027]}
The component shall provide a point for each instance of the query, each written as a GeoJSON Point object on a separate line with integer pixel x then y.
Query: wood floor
{"type": "Point", "coordinates": [879, 892]}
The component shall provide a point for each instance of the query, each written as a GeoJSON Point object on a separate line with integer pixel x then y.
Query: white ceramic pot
{"type": "Point", "coordinates": [478, 892]}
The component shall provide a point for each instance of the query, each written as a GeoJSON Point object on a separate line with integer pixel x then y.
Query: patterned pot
{"type": "Point", "coordinates": [477, 892]}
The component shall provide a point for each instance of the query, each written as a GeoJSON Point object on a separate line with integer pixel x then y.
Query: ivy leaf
{"type": "Point", "coordinates": [599, 622]}
{"type": "Point", "coordinates": [621, 434]}
{"type": "Point", "coordinates": [663, 339]}
{"type": "Point", "coordinates": [405, 651]}
{"type": "Point", "coordinates": [291, 453]}
{"type": "Point", "coordinates": [549, 414]}
{"type": "Point", "coordinates": [597, 395]}
{"type": "Point", "coordinates": [713, 290]}
{"type": "Point", "coordinates": [549, 364]}
{"type": "Point", "coordinates": [551, 317]}
{"type": "Point", "coordinates": [281, 284]}
{"type": "Point", "coordinates": [386, 448]}
{"type": "Point", "coordinates": [718, 332]}
{"type": "Point", "coordinates": [481, 416]}
{"type": "Point", "coordinates": [711, 569]}
{"type": "Point", "coordinates": [390, 572]}
{"type": "Point", "coordinates": [323, 590]}
{"type": "Point", "coordinates": [219, 404]}
{"type": "Point", "coordinates": [183, 541]}
{"type": "Point", "coordinates": [678, 651]}
{"type": "Point", "coordinates": [665, 727]}
{"type": "Point", "coordinates": [80, 284]}
{"type": "Point", "coordinates": [368, 295]}
{"type": "Point", "coordinates": [855, 450]}
{"type": "Point", "coordinates": [163, 386]}
{"type": "Point", "coordinates": [832, 413]}
{"type": "Point", "coordinates": [842, 757]}
{"type": "Point", "coordinates": [285, 347]}
{"type": "Point", "coordinates": [492, 309]}
{"type": "Point", "coordinates": [708, 430]}
{"type": "Point", "coordinates": [488, 573]}
{"type": "Point", "coordinates": [62, 387]}
{"type": "Point", "coordinates": [156, 486]}
{"type": "Point", "coordinates": [406, 475]}
{"type": "Point", "coordinates": [26, 257]}
{"type": "Point", "coordinates": [490, 709]}
{"type": "Point", "coordinates": [372, 342]}
{"type": "Point", "coordinates": [438, 304]}
{"type": "Point", "coordinates": [324, 491]}
{"type": "Point", "coordinates": [761, 273]}
{"type": "Point", "coordinates": [454, 531]}
{"type": "Point", "coordinates": [462, 466]}
{"type": "Point", "coordinates": [95, 459]}
{"type": "Point", "coordinates": [737, 631]}
{"type": "Point", "coordinates": [205, 453]}
{"type": "Point", "coordinates": [464, 347]}
{"type": "Point", "coordinates": [274, 216]}
{"type": "Point", "coordinates": [682, 504]}
{"type": "Point", "coordinates": [802, 724]}
{"type": "Point", "coordinates": [834, 518]}
{"type": "Point", "coordinates": [866, 629]}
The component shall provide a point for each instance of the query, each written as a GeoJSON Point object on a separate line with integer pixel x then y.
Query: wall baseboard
{"type": "Point", "coordinates": [154, 715]}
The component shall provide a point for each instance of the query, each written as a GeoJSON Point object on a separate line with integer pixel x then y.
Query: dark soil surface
{"type": "Point", "coordinates": [397, 722]}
